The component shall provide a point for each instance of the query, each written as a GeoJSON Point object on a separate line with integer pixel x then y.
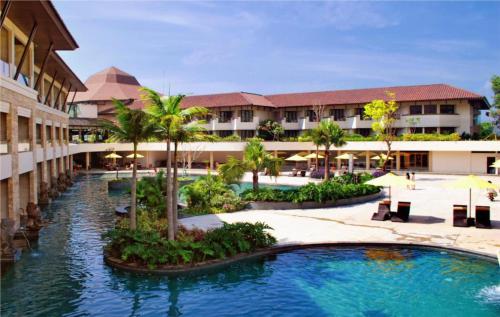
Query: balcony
{"type": "Point", "coordinates": [24, 146]}
{"type": "Point", "coordinates": [290, 125]}
{"type": "Point", "coordinates": [217, 126]}
{"type": "Point", "coordinates": [4, 147]}
{"type": "Point", "coordinates": [429, 120]}
{"type": "Point", "coordinates": [252, 125]}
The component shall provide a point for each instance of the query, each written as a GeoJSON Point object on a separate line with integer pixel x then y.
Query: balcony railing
{"type": "Point", "coordinates": [4, 147]}
{"type": "Point", "coordinates": [24, 146]}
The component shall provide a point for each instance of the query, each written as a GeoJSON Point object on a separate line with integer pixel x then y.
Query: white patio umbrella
{"type": "Point", "coordinates": [137, 155]}
{"type": "Point", "coordinates": [296, 158]}
{"type": "Point", "coordinates": [471, 182]}
{"type": "Point", "coordinates": [390, 180]}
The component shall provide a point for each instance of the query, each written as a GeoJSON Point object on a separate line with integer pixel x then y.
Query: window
{"type": "Point", "coordinates": [311, 115]}
{"type": "Point", "coordinates": [291, 133]}
{"type": "Point", "coordinates": [416, 109]}
{"type": "Point", "coordinates": [23, 127]}
{"type": "Point", "coordinates": [245, 134]}
{"type": "Point", "coordinates": [225, 116]}
{"type": "Point", "coordinates": [48, 134]}
{"type": "Point", "coordinates": [447, 130]}
{"type": "Point", "coordinates": [291, 116]}
{"type": "Point", "coordinates": [447, 109]}
{"type": "Point", "coordinates": [430, 109]}
{"type": "Point", "coordinates": [225, 133]}
{"type": "Point", "coordinates": [38, 132]}
{"type": "Point", "coordinates": [431, 130]}
{"type": "Point", "coordinates": [364, 132]}
{"type": "Point", "coordinates": [337, 114]}
{"type": "Point", "coordinates": [4, 53]}
{"type": "Point", "coordinates": [58, 134]}
{"type": "Point", "coordinates": [4, 148]}
{"type": "Point", "coordinates": [246, 115]}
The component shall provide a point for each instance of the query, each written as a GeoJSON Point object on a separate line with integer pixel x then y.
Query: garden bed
{"type": "Point", "coordinates": [267, 205]}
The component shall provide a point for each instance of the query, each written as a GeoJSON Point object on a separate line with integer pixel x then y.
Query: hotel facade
{"type": "Point", "coordinates": [35, 86]}
{"type": "Point", "coordinates": [436, 108]}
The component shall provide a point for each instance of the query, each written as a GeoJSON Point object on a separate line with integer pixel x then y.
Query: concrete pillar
{"type": "Point", "coordinates": [70, 165]}
{"type": "Point", "coordinates": [339, 161]}
{"type": "Point", "coordinates": [189, 159]}
{"type": "Point", "coordinates": [87, 160]}
{"type": "Point", "coordinates": [308, 160]}
{"type": "Point", "coordinates": [33, 190]}
{"type": "Point", "coordinates": [44, 149]}
{"type": "Point", "coordinates": [367, 161]}
{"type": "Point", "coordinates": [398, 160]}
{"type": "Point", "coordinates": [61, 146]}
{"type": "Point", "coordinates": [13, 182]}
{"type": "Point", "coordinates": [275, 153]}
{"type": "Point", "coordinates": [211, 160]}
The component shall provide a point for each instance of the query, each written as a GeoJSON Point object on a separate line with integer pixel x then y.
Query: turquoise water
{"type": "Point", "coordinates": [64, 275]}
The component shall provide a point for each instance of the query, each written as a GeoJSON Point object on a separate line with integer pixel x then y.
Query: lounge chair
{"type": "Point", "coordinates": [460, 216]}
{"type": "Point", "coordinates": [403, 213]}
{"type": "Point", "coordinates": [384, 211]}
{"type": "Point", "coordinates": [294, 172]}
{"type": "Point", "coordinates": [303, 173]}
{"type": "Point", "coordinates": [483, 217]}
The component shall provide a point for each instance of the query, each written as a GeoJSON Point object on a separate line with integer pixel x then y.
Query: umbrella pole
{"type": "Point", "coordinates": [470, 202]}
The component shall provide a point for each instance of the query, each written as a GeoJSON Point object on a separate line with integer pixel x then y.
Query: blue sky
{"type": "Point", "coordinates": [275, 47]}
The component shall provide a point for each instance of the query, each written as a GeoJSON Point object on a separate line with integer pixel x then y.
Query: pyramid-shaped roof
{"type": "Point", "coordinates": [108, 84]}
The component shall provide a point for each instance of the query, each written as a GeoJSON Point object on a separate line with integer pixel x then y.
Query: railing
{"type": "Point", "coordinates": [4, 147]}
{"type": "Point", "coordinates": [24, 146]}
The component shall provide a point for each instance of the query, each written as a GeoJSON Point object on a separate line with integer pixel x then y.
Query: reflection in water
{"type": "Point", "coordinates": [65, 275]}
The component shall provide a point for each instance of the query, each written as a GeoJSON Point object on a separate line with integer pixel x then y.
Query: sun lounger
{"type": "Point", "coordinates": [303, 173]}
{"type": "Point", "coordinates": [483, 220]}
{"type": "Point", "coordinates": [460, 216]}
{"type": "Point", "coordinates": [384, 211]}
{"type": "Point", "coordinates": [403, 213]}
{"type": "Point", "coordinates": [294, 172]}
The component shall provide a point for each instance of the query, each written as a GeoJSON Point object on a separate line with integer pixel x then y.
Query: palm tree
{"type": "Point", "coordinates": [187, 132]}
{"type": "Point", "coordinates": [168, 117]}
{"type": "Point", "coordinates": [328, 134]}
{"type": "Point", "coordinates": [255, 160]}
{"type": "Point", "coordinates": [316, 139]}
{"type": "Point", "coordinates": [132, 126]}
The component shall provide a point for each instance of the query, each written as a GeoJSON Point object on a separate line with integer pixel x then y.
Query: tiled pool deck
{"type": "Point", "coordinates": [430, 219]}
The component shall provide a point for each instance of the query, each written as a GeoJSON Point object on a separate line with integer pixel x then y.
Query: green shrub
{"type": "Point", "coordinates": [335, 189]}
{"type": "Point", "coordinates": [210, 195]}
{"type": "Point", "coordinates": [430, 137]}
{"type": "Point", "coordinates": [151, 192]}
{"type": "Point", "coordinates": [152, 248]}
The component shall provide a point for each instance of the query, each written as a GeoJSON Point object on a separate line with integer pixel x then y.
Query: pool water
{"type": "Point", "coordinates": [64, 275]}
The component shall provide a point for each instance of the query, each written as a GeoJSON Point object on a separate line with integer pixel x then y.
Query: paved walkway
{"type": "Point", "coordinates": [430, 219]}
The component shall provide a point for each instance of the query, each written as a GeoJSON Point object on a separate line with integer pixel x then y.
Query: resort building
{"type": "Point", "coordinates": [35, 84]}
{"type": "Point", "coordinates": [436, 108]}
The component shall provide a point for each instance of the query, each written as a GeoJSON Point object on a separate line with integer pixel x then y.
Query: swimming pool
{"type": "Point", "coordinates": [65, 275]}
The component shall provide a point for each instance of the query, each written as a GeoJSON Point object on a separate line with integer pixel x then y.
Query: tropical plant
{"type": "Point", "coordinates": [255, 160]}
{"type": "Point", "coordinates": [270, 130]}
{"type": "Point", "coordinates": [208, 195]}
{"type": "Point", "coordinates": [132, 126]}
{"type": "Point", "coordinates": [384, 115]}
{"type": "Point", "coordinates": [151, 193]}
{"type": "Point", "coordinates": [430, 137]}
{"type": "Point", "coordinates": [328, 133]}
{"type": "Point", "coordinates": [150, 247]}
{"type": "Point", "coordinates": [171, 125]}
{"type": "Point", "coordinates": [495, 107]}
{"type": "Point", "coordinates": [332, 190]}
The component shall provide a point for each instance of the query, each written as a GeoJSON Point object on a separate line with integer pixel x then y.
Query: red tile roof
{"type": "Point", "coordinates": [432, 92]}
{"type": "Point", "coordinates": [360, 96]}
{"type": "Point", "coordinates": [226, 100]}
{"type": "Point", "coordinates": [110, 83]}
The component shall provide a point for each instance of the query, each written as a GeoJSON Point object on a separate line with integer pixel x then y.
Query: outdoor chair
{"type": "Point", "coordinates": [460, 216]}
{"type": "Point", "coordinates": [294, 172]}
{"type": "Point", "coordinates": [483, 220]}
{"type": "Point", "coordinates": [384, 211]}
{"type": "Point", "coordinates": [303, 173]}
{"type": "Point", "coordinates": [403, 212]}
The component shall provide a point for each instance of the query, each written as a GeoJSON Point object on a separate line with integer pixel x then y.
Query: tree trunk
{"type": "Point", "coordinates": [388, 154]}
{"type": "Point", "coordinates": [133, 189]}
{"type": "Point", "coordinates": [174, 192]}
{"type": "Point", "coordinates": [255, 179]}
{"type": "Point", "coordinates": [327, 163]}
{"type": "Point", "coordinates": [170, 217]}
{"type": "Point", "coordinates": [317, 159]}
